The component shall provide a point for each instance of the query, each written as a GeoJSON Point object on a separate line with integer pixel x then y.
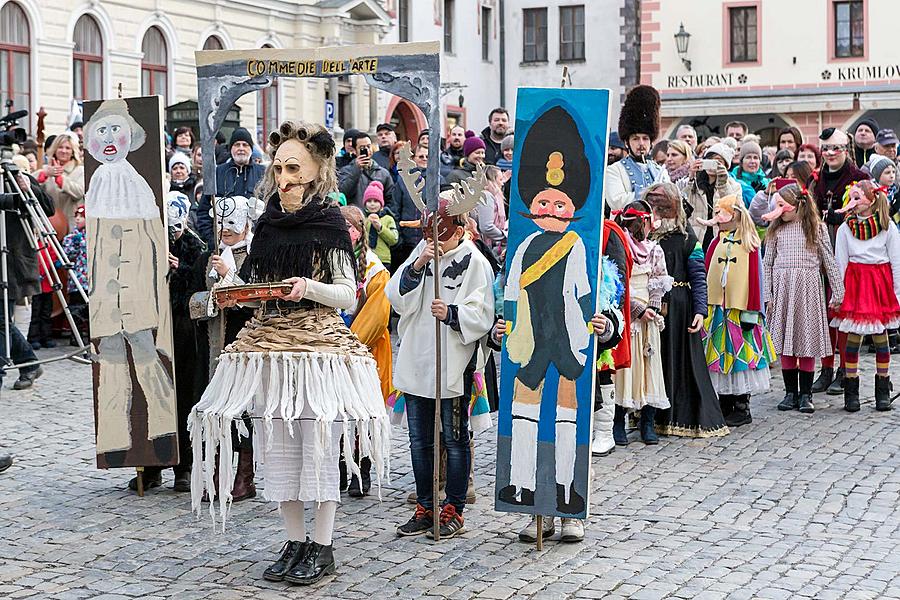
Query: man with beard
{"type": "Point", "coordinates": [453, 155]}
{"type": "Point", "coordinates": [617, 149]}
{"type": "Point", "coordinates": [638, 127]}
{"type": "Point", "coordinates": [493, 134]}
{"type": "Point", "coordinates": [235, 177]}
{"type": "Point", "coordinates": [387, 137]}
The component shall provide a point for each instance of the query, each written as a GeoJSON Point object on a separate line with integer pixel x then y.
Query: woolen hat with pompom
{"type": "Point", "coordinates": [472, 143]}
{"type": "Point", "coordinates": [640, 113]}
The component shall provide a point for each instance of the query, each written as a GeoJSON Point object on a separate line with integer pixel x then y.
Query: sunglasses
{"type": "Point", "coordinates": [833, 148]}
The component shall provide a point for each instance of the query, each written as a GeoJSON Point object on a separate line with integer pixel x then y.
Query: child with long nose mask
{"type": "Point", "coordinates": [738, 346]}
{"type": "Point", "coordinates": [867, 250]}
{"type": "Point", "coordinates": [797, 250]}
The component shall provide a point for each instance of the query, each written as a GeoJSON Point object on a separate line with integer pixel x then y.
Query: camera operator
{"type": "Point", "coordinates": [363, 170]}
{"type": "Point", "coordinates": [23, 280]}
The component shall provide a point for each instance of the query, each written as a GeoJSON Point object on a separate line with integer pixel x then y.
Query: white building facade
{"type": "Point", "coordinates": [773, 64]}
{"type": "Point", "coordinates": [58, 51]}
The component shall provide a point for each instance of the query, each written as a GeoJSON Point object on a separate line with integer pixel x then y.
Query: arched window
{"type": "Point", "coordinates": [266, 110]}
{"type": "Point", "coordinates": [154, 66]}
{"type": "Point", "coordinates": [15, 56]}
{"type": "Point", "coordinates": [87, 60]}
{"type": "Point", "coordinates": [213, 43]}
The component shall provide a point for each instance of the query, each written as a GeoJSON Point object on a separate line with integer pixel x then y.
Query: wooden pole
{"type": "Point", "coordinates": [540, 532]}
{"type": "Point", "coordinates": [436, 503]}
{"type": "Point", "coordinates": [140, 481]}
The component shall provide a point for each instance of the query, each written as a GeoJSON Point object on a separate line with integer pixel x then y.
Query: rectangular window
{"type": "Point", "coordinates": [449, 7]}
{"type": "Point", "coordinates": [485, 33]}
{"type": "Point", "coordinates": [571, 32]}
{"type": "Point", "coordinates": [849, 29]}
{"type": "Point", "coordinates": [403, 20]}
{"type": "Point", "coordinates": [535, 35]}
{"type": "Point", "coordinates": [742, 23]}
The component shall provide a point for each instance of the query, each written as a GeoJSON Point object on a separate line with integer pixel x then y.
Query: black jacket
{"type": "Point", "coordinates": [491, 148]}
{"type": "Point", "coordinates": [22, 273]}
{"type": "Point", "coordinates": [464, 171]}
{"type": "Point", "coordinates": [404, 209]}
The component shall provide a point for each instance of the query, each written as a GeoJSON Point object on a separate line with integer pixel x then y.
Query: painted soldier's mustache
{"type": "Point", "coordinates": [562, 219]}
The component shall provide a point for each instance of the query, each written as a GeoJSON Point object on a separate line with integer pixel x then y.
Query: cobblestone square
{"type": "Point", "coordinates": [791, 506]}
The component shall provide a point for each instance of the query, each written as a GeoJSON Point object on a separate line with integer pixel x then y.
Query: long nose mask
{"type": "Point", "coordinates": [781, 207]}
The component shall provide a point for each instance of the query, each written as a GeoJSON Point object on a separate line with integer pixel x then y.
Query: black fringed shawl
{"type": "Point", "coordinates": [298, 244]}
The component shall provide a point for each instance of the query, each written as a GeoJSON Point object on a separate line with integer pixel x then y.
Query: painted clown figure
{"type": "Point", "coordinates": [549, 282]}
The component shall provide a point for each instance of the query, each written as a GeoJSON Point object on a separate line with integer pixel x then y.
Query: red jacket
{"type": "Point", "coordinates": [622, 352]}
{"type": "Point", "coordinates": [48, 257]}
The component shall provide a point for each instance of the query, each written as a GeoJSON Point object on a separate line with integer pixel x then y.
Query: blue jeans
{"type": "Point", "coordinates": [19, 349]}
{"type": "Point", "coordinates": [455, 438]}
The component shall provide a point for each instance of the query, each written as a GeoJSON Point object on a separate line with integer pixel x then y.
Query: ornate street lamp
{"type": "Point", "coordinates": [682, 40]}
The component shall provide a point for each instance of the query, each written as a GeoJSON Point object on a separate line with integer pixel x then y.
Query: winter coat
{"type": "Point", "coordinates": [22, 264]}
{"type": "Point", "coordinates": [353, 181]}
{"type": "Point", "coordinates": [699, 204]}
{"type": "Point", "coordinates": [66, 191]}
{"type": "Point", "coordinates": [404, 209]}
{"type": "Point", "coordinates": [381, 241]}
{"type": "Point", "coordinates": [751, 183]}
{"type": "Point", "coordinates": [231, 180]}
{"type": "Point", "coordinates": [75, 247]}
{"type": "Point", "coordinates": [465, 170]}
{"type": "Point", "coordinates": [491, 148]}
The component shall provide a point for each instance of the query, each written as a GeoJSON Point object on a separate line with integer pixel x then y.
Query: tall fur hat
{"type": "Point", "coordinates": [640, 113]}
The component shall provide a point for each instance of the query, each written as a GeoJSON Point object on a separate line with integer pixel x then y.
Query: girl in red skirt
{"type": "Point", "coordinates": [867, 250]}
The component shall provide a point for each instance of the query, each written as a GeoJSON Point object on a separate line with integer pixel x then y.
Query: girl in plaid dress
{"type": "Point", "coordinates": [797, 250]}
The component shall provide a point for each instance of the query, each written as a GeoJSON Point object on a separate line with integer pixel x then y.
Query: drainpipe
{"type": "Point", "coordinates": [502, 53]}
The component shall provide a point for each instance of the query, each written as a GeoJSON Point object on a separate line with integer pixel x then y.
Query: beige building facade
{"type": "Point", "coordinates": [54, 52]}
{"type": "Point", "coordinates": [772, 64]}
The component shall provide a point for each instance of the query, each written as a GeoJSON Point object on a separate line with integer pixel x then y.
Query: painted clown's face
{"type": "Point", "coordinates": [782, 209]}
{"type": "Point", "coordinates": [110, 140]}
{"type": "Point", "coordinates": [552, 210]}
{"type": "Point", "coordinates": [294, 168]}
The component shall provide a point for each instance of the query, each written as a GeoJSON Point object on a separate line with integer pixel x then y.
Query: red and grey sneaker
{"type": "Point", "coordinates": [452, 523]}
{"type": "Point", "coordinates": [420, 522]}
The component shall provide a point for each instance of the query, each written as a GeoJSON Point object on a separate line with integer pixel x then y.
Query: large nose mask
{"type": "Point", "coordinates": [294, 169]}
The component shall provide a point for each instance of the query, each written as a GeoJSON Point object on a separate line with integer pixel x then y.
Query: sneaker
{"type": "Point", "coordinates": [26, 380]}
{"type": "Point", "coordinates": [572, 530]}
{"type": "Point", "coordinates": [452, 523]}
{"type": "Point", "coordinates": [420, 522]}
{"type": "Point", "coordinates": [529, 534]}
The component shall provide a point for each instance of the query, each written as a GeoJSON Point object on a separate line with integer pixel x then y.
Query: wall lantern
{"type": "Point", "coordinates": [682, 40]}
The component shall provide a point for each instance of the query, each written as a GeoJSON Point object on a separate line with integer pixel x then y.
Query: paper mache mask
{"type": "Point", "coordinates": [177, 207]}
{"type": "Point", "coordinates": [725, 211]}
{"type": "Point", "coordinates": [235, 212]}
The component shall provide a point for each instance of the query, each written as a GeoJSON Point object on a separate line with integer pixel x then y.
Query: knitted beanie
{"type": "Point", "coordinates": [472, 143]}
{"type": "Point", "coordinates": [750, 148]}
{"type": "Point", "coordinates": [876, 166]}
{"type": "Point", "coordinates": [375, 191]}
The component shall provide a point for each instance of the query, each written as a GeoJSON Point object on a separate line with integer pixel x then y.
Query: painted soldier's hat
{"type": "Point", "coordinates": [553, 157]}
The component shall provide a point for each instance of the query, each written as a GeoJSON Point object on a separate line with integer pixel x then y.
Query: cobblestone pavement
{"type": "Point", "coordinates": [790, 506]}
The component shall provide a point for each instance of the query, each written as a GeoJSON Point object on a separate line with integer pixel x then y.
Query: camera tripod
{"type": "Point", "coordinates": [41, 238]}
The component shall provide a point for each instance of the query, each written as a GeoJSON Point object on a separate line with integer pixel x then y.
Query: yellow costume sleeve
{"type": "Point", "coordinates": [372, 319]}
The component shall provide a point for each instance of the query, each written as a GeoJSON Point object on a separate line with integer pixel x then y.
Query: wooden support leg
{"type": "Point", "coordinates": [140, 481]}
{"type": "Point", "coordinates": [540, 533]}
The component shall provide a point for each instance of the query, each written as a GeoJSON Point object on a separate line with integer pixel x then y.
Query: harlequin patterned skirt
{"type": "Point", "coordinates": [738, 360]}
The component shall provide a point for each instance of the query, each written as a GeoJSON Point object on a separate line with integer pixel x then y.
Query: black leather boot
{"type": "Point", "coordinates": [619, 434]}
{"type": "Point", "coordinates": [883, 389]}
{"type": "Point", "coordinates": [648, 426]}
{"type": "Point", "coordinates": [726, 403]}
{"type": "Point", "coordinates": [741, 415]}
{"type": "Point", "coordinates": [826, 376]}
{"type": "Point", "coordinates": [851, 394]}
{"type": "Point", "coordinates": [791, 396]}
{"type": "Point", "coordinates": [804, 399]}
{"type": "Point", "coordinates": [291, 553]}
{"type": "Point", "coordinates": [314, 565]}
{"type": "Point", "coordinates": [837, 386]}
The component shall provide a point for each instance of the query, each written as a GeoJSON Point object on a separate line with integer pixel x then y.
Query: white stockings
{"type": "Point", "coordinates": [293, 514]}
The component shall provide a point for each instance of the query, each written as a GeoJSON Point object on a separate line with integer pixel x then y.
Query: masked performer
{"type": "Point", "coordinates": [234, 216]}
{"type": "Point", "coordinates": [548, 280]}
{"type": "Point", "coordinates": [695, 410]}
{"type": "Point", "coordinates": [739, 348]}
{"type": "Point", "coordinates": [641, 387]}
{"type": "Point", "coordinates": [296, 365]}
{"type": "Point", "coordinates": [368, 319]}
{"type": "Point", "coordinates": [126, 241]}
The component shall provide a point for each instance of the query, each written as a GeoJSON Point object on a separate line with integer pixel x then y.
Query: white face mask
{"type": "Point", "coordinates": [177, 207]}
{"type": "Point", "coordinates": [235, 212]}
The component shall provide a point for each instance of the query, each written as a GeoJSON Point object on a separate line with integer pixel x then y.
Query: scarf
{"type": "Point", "coordinates": [640, 252]}
{"type": "Point", "coordinates": [298, 244]}
{"type": "Point", "coordinates": [864, 228]}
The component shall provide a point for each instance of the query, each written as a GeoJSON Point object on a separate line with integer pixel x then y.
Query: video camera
{"type": "Point", "coordinates": [11, 134]}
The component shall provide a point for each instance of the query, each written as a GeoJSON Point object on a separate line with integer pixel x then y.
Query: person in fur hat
{"type": "Point", "coordinates": [638, 128]}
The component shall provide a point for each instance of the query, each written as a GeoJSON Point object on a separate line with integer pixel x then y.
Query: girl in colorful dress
{"type": "Point", "coordinates": [695, 410]}
{"type": "Point", "coordinates": [867, 250]}
{"type": "Point", "coordinates": [642, 386]}
{"type": "Point", "coordinates": [739, 348]}
{"type": "Point", "coordinates": [368, 319]}
{"type": "Point", "coordinates": [797, 250]}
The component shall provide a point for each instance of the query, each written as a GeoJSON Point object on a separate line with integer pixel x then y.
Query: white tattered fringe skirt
{"type": "Point", "coordinates": [295, 396]}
